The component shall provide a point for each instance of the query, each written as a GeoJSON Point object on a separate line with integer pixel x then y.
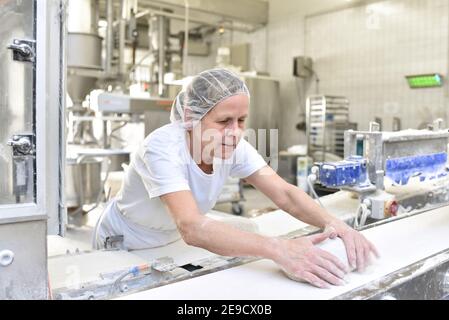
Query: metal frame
{"type": "Point", "coordinates": [46, 120]}
{"type": "Point", "coordinates": [23, 227]}
{"type": "Point", "coordinates": [50, 103]}
{"type": "Point", "coordinates": [380, 146]}
{"type": "Point", "coordinates": [319, 107]}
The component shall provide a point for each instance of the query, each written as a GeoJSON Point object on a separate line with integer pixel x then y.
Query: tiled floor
{"type": "Point", "coordinates": [254, 203]}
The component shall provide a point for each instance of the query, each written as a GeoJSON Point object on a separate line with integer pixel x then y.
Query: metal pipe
{"type": "Point", "coordinates": [109, 35]}
{"type": "Point", "coordinates": [199, 21]}
{"type": "Point", "coordinates": [186, 39]}
{"type": "Point", "coordinates": [96, 15]}
{"type": "Point", "coordinates": [122, 30]}
{"type": "Point", "coordinates": [161, 62]}
{"type": "Point", "coordinates": [151, 49]}
{"type": "Point", "coordinates": [135, 5]}
{"type": "Point", "coordinates": [106, 143]}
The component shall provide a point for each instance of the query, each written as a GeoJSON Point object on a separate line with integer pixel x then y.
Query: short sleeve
{"type": "Point", "coordinates": [247, 160]}
{"type": "Point", "coordinates": [163, 169]}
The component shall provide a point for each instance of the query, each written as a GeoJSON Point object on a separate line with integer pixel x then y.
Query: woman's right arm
{"type": "Point", "coordinates": [298, 256]}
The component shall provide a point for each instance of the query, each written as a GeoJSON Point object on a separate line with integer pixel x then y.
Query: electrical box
{"type": "Point", "coordinates": [240, 56]}
{"type": "Point", "coordinates": [302, 67]}
{"type": "Point", "coordinates": [198, 48]}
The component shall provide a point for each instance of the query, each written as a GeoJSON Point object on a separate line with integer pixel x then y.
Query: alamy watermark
{"type": "Point", "coordinates": [212, 146]}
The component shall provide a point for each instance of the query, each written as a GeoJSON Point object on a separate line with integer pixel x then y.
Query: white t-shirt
{"type": "Point", "coordinates": [162, 165]}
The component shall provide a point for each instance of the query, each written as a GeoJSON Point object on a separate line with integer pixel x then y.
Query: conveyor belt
{"type": "Point", "coordinates": [400, 243]}
{"type": "Point", "coordinates": [272, 224]}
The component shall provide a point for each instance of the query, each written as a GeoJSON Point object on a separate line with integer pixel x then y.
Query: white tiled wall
{"type": "Point", "coordinates": [364, 53]}
{"type": "Point", "coordinates": [285, 41]}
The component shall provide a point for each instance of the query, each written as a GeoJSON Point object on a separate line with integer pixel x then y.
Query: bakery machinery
{"type": "Point", "coordinates": [390, 173]}
{"type": "Point", "coordinates": [414, 269]}
{"type": "Point", "coordinates": [393, 185]}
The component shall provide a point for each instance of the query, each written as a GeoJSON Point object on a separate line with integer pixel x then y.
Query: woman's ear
{"type": "Point", "coordinates": [188, 121]}
{"type": "Point", "coordinates": [187, 114]}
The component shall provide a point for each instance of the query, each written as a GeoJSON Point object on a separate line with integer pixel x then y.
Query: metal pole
{"type": "Point", "coordinates": [186, 39]}
{"type": "Point", "coordinates": [105, 135]}
{"type": "Point", "coordinates": [161, 68]}
{"type": "Point", "coordinates": [122, 29]}
{"type": "Point", "coordinates": [109, 35]}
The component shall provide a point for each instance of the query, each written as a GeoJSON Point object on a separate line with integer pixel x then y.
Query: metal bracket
{"type": "Point", "coordinates": [23, 50]}
{"type": "Point", "coordinates": [114, 242]}
{"type": "Point", "coordinates": [164, 264]}
{"type": "Point", "coordinates": [22, 145]}
{"type": "Point", "coordinates": [375, 126]}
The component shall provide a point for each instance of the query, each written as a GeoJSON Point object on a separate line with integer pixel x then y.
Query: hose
{"type": "Point", "coordinates": [135, 271]}
{"type": "Point", "coordinates": [310, 179]}
{"type": "Point", "coordinates": [362, 214]}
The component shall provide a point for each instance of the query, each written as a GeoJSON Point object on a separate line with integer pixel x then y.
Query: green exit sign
{"type": "Point", "coordinates": [425, 81]}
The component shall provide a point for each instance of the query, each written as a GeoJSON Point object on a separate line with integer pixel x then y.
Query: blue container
{"type": "Point", "coordinates": [430, 166]}
{"type": "Point", "coordinates": [349, 172]}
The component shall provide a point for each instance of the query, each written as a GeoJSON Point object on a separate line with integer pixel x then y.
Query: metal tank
{"type": "Point", "coordinates": [264, 113]}
{"type": "Point", "coordinates": [83, 182]}
{"type": "Point", "coordinates": [83, 48]}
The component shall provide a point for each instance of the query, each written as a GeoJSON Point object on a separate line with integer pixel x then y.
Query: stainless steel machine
{"type": "Point", "coordinates": [391, 173]}
{"type": "Point", "coordinates": [155, 110]}
{"type": "Point", "coordinates": [399, 181]}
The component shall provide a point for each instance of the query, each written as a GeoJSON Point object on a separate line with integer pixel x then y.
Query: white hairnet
{"type": "Point", "coordinates": [204, 92]}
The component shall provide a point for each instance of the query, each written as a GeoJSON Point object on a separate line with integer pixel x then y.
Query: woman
{"type": "Point", "coordinates": [178, 173]}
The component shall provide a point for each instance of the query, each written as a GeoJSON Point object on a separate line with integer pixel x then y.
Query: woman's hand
{"type": "Point", "coordinates": [358, 248]}
{"type": "Point", "coordinates": [301, 259]}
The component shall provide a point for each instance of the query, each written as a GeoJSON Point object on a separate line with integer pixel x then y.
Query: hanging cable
{"type": "Point", "coordinates": [362, 214]}
{"type": "Point", "coordinates": [310, 180]}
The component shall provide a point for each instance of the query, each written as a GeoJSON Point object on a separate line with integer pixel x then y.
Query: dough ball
{"type": "Point", "coordinates": [333, 246]}
{"type": "Point", "coordinates": [337, 248]}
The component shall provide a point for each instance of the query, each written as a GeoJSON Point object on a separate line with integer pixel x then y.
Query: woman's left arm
{"type": "Point", "coordinates": [301, 206]}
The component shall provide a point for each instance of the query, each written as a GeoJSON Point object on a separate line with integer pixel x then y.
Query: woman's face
{"type": "Point", "coordinates": [222, 127]}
